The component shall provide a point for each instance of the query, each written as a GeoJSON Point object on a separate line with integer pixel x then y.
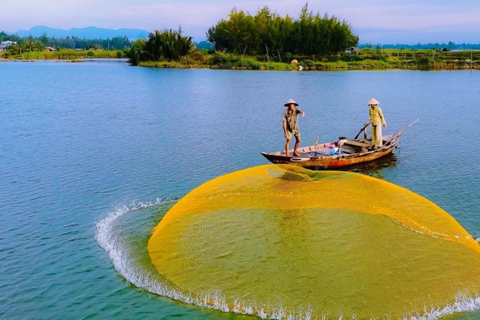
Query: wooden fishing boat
{"type": "Point", "coordinates": [338, 154]}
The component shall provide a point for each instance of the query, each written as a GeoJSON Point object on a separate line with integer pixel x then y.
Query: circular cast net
{"type": "Point", "coordinates": [281, 241]}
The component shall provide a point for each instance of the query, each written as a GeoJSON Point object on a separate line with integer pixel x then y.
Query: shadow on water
{"type": "Point", "coordinates": [375, 168]}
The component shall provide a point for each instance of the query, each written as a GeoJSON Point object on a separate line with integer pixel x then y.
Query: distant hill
{"type": "Point", "coordinates": [87, 33]}
{"type": "Point", "coordinates": [204, 45]}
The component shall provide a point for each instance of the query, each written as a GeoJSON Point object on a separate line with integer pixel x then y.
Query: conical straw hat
{"type": "Point", "coordinates": [290, 102]}
{"type": "Point", "coordinates": [373, 101]}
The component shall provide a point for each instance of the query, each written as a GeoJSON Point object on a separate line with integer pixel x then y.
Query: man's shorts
{"type": "Point", "coordinates": [295, 133]}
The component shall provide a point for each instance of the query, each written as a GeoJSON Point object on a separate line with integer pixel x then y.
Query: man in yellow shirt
{"type": "Point", "coordinates": [376, 121]}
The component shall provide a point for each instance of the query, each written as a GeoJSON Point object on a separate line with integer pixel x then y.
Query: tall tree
{"type": "Point", "coordinates": [310, 34]}
{"type": "Point", "coordinates": [167, 44]}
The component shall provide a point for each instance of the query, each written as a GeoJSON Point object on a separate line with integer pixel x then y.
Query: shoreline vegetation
{"type": "Point", "coordinates": [264, 41]}
{"type": "Point", "coordinates": [365, 59]}
{"type": "Point", "coordinates": [268, 41]}
{"type": "Point", "coordinates": [64, 54]}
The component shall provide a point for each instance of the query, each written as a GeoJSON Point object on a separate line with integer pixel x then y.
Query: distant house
{"type": "Point", "coordinates": [51, 49]}
{"type": "Point", "coordinates": [352, 50]}
{"type": "Point", "coordinates": [6, 44]}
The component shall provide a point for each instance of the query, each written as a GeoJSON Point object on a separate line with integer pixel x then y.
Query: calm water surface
{"type": "Point", "coordinates": [83, 144]}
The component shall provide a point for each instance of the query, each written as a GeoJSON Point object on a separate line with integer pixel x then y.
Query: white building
{"type": "Point", "coordinates": [352, 50]}
{"type": "Point", "coordinates": [5, 44]}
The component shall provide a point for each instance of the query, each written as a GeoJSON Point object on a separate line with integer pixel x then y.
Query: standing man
{"type": "Point", "coordinates": [376, 120]}
{"type": "Point", "coordinates": [290, 125]}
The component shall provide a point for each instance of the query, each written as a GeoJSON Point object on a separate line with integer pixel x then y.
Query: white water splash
{"type": "Point", "coordinates": [463, 303]}
{"type": "Point", "coordinates": [113, 243]}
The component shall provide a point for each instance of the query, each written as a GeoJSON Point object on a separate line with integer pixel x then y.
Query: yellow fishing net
{"type": "Point", "coordinates": [279, 241]}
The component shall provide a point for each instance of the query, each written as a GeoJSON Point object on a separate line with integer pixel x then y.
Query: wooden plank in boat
{"type": "Point", "coordinates": [358, 144]}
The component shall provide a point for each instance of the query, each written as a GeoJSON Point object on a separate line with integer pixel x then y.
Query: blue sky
{"type": "Point", "coordinates": [375, 21]}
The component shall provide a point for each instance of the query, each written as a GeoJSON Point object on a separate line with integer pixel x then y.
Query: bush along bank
{"type": "Point", "coordinates": [366, 59]}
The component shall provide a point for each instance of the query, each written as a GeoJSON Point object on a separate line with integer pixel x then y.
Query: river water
{"type": "Point", "coordinates": [93, 155]}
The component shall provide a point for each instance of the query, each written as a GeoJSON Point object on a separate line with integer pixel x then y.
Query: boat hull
{"type": "Point", "coordinates": [318, 157]}
{"type": "Point", "coordinates": [356, 151]}
{"type": "Point", "coordinates": [329, 162]}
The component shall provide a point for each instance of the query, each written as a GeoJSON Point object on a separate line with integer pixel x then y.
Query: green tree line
{"type": "Point", "coordinates": [27, 45]}
{"type": "Point", "coordinates": [268, 33]}
{"type": "Point", "coordinates": [115, 43]}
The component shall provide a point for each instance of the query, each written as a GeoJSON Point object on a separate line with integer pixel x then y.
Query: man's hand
{"type": "Point", "coordinates": [303, 113]}
{"type": "Point", "coordinates": [384, 125]}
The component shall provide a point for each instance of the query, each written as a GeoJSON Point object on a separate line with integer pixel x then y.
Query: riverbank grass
{"type": "Point", "coordinates": [367, 59]}
{"type": "Point", "coordinates": [65, 54]}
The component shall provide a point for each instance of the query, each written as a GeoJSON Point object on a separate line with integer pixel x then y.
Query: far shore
{"type": "Point", "coordinates": [67, 54]}
{"type": "Point", "coordinates": [366, 59]}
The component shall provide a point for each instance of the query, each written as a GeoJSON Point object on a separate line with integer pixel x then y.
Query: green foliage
{"type": "Point", "coordinates": [307, 63]}
{"type": "Point", "coordinates": [116, 43]}
{"type": "Point", "coordinates": [168, 44]}
{"type": "Point", "coordinates": [137, 52]}
{"type": "Point", "coordinates": [66, 54]}
{"type": "Point", "coordinates": [25, 45]}
{"type": "Point", "coordinates": [161, 45]}
{"type": "Point", "coordinates": [426, 63]}
{"type": "Point", "coordinates": [221, 58]}
{"type": "Point", "coordinates": [269, 34]}
{"type": "Point", "coordinates": [199, 56]}
{"type": "Point", "coordinates": [8, 37]}
{"type": "Point", "coordinates": [249, 64]}
{"type": "Point", "coordinates": [164, 64]}
{"type": "Point", "coordinates": [43, 39]}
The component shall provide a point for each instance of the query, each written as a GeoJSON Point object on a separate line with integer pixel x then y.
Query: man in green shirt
{"type": "Point", "coordinates": [290, 125]}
